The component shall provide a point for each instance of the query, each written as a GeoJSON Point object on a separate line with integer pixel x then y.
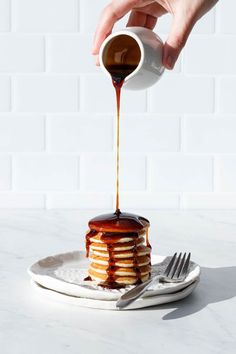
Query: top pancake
{"type": "Point", "coordinates": [118, 222]}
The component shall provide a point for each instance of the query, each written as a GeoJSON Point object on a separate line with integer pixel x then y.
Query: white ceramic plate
{"type": "Point", "coordinates": [65, 272]}
{"type": "Point", "coordinates": [111, 305]}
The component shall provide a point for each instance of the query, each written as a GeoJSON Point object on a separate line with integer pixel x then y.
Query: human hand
{"type": "Point", "coordinates": [145, 13]}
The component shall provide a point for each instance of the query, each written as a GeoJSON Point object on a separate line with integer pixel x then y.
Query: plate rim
{"type": "Point", "coordinates": [58, 285]}
{"type": "Point", "coordinates": [110, 304]}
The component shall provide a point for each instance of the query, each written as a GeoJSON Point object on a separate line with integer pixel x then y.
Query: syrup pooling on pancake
{"type": "Point", "coordinates": [119, 222]}
{"type": "Point", "coordinates": [116, 246]}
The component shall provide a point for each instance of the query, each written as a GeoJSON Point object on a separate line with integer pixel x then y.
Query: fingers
{"type": "Point", "coordinates": [150, 22]}
{"type": "Point", "coordinates": [111, 13]}
{"type": "Point", "coordinates": [97, 60]}
{"type": "Point", "coordinates": [185, 15]}
{"type": "Point", "coordinates": [146, 16]}
{"type": "Point", "coordinates": [138, 18]}
{"type": "Point", "coordinates": [180, 30]}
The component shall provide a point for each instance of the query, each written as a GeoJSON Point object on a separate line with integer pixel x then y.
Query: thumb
{"type": "Point", "coordinates": [180, 30]}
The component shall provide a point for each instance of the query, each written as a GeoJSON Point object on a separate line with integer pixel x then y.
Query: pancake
{"type": "Point", "coordinates": [101, 269]}
{"type": "Point", "coordinates": [108, 238]}
{"type": "Point", "coordinates": [141, 251]}
{"type": "Point", "coordinates": [117, 249]}
{"type": "Point", "coordinates": [117, 246]}
{"type": "Point", "coordinates": [126, 280]}
{"type": "Point", "coordinates": [129, 262]}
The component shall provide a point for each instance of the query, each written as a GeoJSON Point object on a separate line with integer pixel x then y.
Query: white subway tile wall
{"type": "Point", "coordinates": [21, 53]}
{"type": "Point", "coordinates": [5, 11]}
{"type": "Point", "coordinates": [5, 172]}
{"type": "Point", "coordinates": [45, 15]}
{"type": "Point", "coordinates": [71, 54]}
{"type": "Point", "coordinates": [5, 93]}
{"type": "Point", "coordinates": [46, 93]}
{"type": "Point", "coordinates": [50, 172]}
{"type": "Point", "coordinates": [186, 173]}
{"type": "Point", "coordinates": [97, 96]}
{"type": "Point", "coordinates": [22, 133]}
{"type": "Point", "coordinates": [98, 172]}
{"type": "Point", "coordinates": [181, 94]}
{"type": "Point", "coordinates": [57, 115]}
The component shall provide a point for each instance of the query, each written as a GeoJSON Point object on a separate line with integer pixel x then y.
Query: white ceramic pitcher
{"type": "Point", "coordinates": [150, 68]}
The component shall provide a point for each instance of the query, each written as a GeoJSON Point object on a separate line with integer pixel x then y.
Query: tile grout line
{"type": "Point", "coordinates": [12, 94]}
{"type": "Point", "coordinates": [13, 189]}
{"type": "Point", "coordinates": [12, 16]}
{"type": "Point", "coordinates": [46, 134]}
{"type": "Point", "coordinates": [78, 173]}
{"type": "Point", "coordinates": [213, 174]}
{"type": "Point", "coordinates": [78, 16]}
{"type": "Point", "coordinates": [78, 93]}
{"type": "Point", "coordinates": [46, 55]}
{"type": "Point", "coordinates": [181, 133]}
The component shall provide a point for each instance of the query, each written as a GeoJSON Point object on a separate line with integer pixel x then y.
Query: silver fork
{"type": "Point", "coordinates": [175, 272]}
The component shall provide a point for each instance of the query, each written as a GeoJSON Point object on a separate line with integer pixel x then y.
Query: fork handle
{"type": "Point", "coordinates": [135, 293]}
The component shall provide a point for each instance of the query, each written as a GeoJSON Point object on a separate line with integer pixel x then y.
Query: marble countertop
{"type": "Point", "coordinates": [205, 322]}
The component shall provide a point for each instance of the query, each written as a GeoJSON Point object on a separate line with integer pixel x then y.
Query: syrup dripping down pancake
{"type": "Point", "coordinates": [141, 251]}
{"type": "Point", "coordinates": [118, 250]}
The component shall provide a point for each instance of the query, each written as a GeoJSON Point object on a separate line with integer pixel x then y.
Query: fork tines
{"type": "Point", "coordinates": [178, 266]}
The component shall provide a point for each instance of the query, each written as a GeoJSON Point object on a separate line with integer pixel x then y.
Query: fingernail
{"type": "Point", "coordinates": [170, 62]}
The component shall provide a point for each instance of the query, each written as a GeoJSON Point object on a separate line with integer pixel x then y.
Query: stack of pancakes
{"type": "Point", "coordinates": [117, 249]}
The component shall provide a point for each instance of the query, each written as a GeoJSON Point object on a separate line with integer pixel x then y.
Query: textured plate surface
{"type": "Point", "coordinates": [65, 272]}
